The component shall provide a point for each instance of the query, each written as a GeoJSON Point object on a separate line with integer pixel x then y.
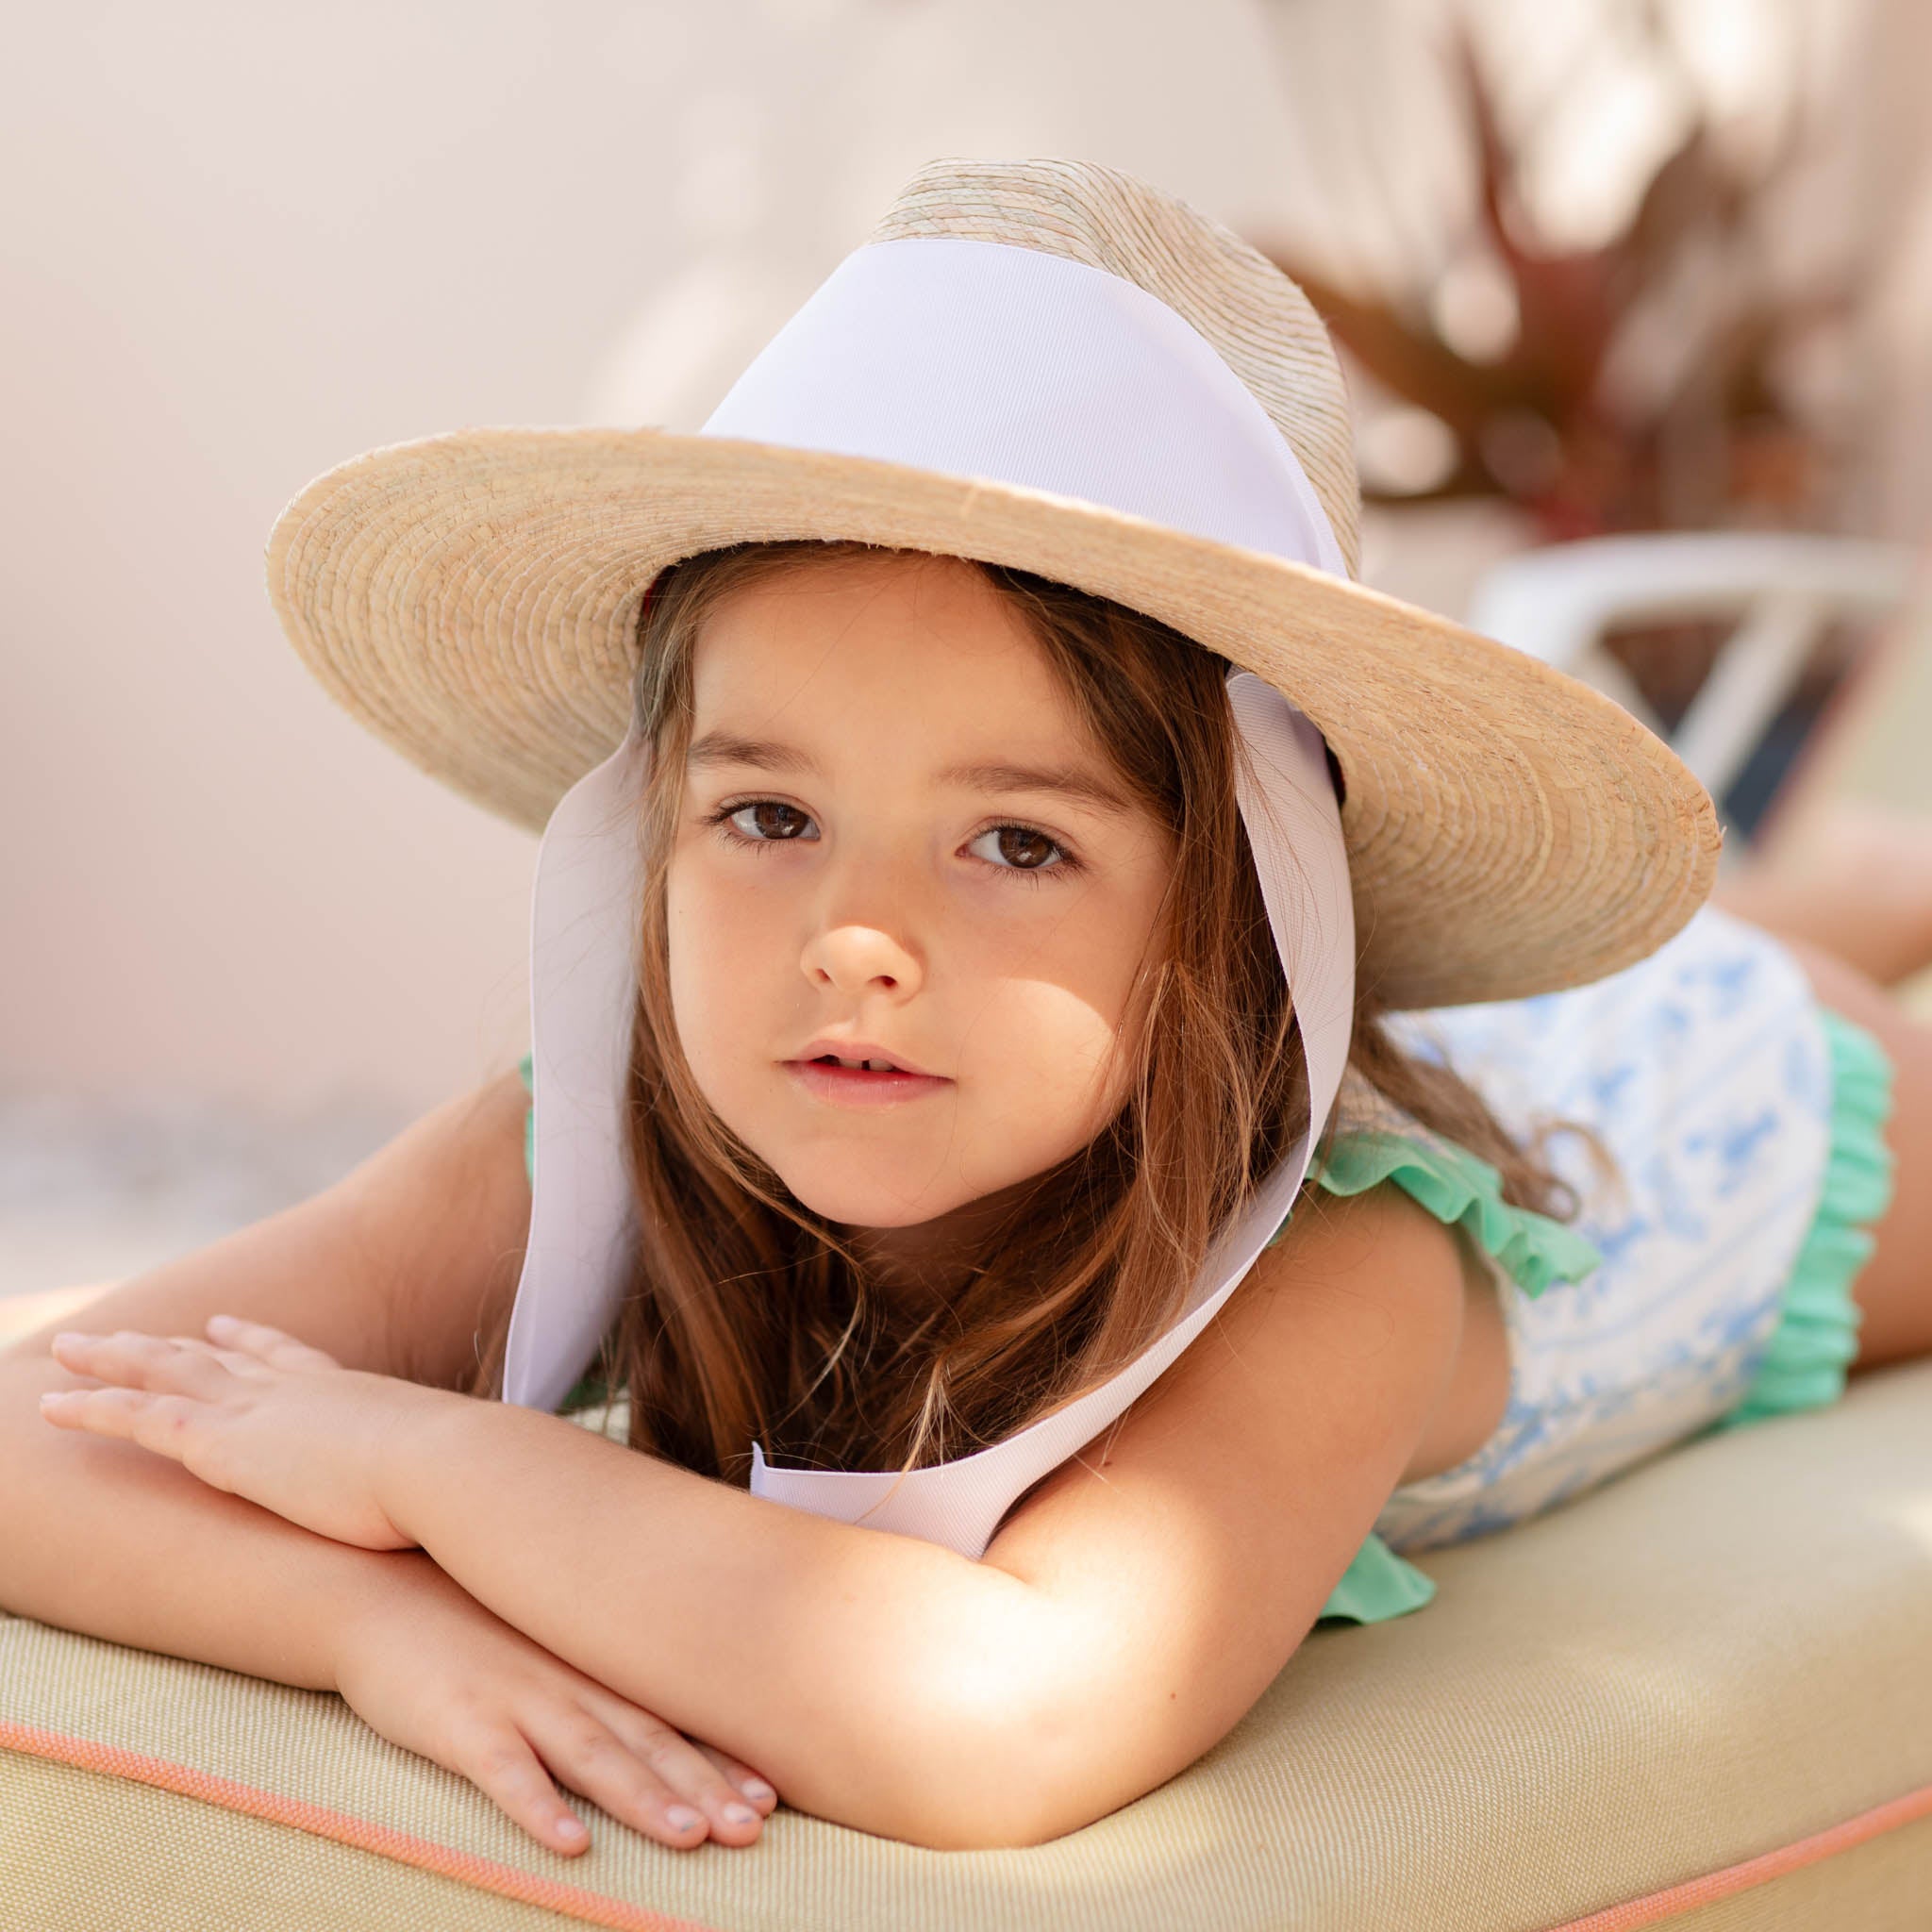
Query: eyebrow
{"type": "Point", "coordinates": [1084, 787]}
{"type": "Point", "coordinates": [725, 748]}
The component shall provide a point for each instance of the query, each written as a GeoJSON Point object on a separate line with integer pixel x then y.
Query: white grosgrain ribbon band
{"type": "Point", "coordinates": [978, 359]}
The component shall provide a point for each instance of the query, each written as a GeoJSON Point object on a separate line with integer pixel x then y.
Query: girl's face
{"type": "Point", "coordinates": [899, 843]}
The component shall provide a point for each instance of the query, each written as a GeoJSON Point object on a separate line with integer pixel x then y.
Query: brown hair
{"type": "Point", "coordinates": [748, 1318]}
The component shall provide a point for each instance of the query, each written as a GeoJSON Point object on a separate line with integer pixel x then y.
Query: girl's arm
{"type": "Point", "coordinates": [102, 1538]}
{"type": "Point", "coordinates": [1121, 1623]}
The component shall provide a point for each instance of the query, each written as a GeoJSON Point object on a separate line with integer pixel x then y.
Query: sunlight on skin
{"type": "Point", "coordinates": [894, 912]}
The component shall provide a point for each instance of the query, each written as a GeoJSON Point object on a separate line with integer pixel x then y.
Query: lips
{"type": "Point", "coordinates": [858, 1072]}
{"type": "Point", "coordinates": [858, 1054]}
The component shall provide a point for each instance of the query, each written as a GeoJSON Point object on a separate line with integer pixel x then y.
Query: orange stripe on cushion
{"type": "Point", "coordinates": [1657, 1905]}
{"type": "Point", "coordinates": [485, 1874]}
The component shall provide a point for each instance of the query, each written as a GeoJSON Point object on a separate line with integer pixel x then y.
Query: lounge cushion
{"type": "Point", "coordinates": [1701, 1694]}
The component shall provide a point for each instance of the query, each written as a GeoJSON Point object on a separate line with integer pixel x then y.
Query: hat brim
{"type": "Point", "coordinates": [471, 599]}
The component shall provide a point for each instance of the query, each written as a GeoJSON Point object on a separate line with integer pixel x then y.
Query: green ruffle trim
{"type": "Point", "coordinates": [1457, 1186]}
{"type": "Point", "coordinates": [1376, 1585]}
{"type": "Point", "coordinates": [1817, 1334]}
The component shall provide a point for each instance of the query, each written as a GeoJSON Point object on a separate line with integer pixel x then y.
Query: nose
{"type": "Point", "coordinates": [852, 957]}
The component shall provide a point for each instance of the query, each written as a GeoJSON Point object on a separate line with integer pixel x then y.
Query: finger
{"type": "Point", "coordinates": [757, 1791]}
{"type": "Point", "coordinates": [245, 1368]}
{"type": "Point", "coordinates": [584, 1754]}
{"type": "Point", "coordinates": [230, 1359]}
{"type": "Point", "coordinates": [61, 1407]}
{"type": "Point", "coordinates": [142, 1361]}
{"type": "Point", "coordinates": [680, 1767]}
{"type": "Point", "coordinates": [270, 1345]}
{"type": "Point", "coordinates": [500, 1762]}
{"type": "Point", "coordinates": [159, 1422]}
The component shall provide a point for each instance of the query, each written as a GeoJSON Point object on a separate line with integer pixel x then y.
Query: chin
{"type": "Point", "coordinates": [868, 1199]}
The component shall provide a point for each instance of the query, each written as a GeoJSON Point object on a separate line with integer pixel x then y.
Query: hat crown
{"type": "Point", "coordinates": [1252, 316]}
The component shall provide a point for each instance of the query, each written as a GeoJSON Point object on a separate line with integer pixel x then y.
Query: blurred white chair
{"type": "Point", "coordinates": [1560, 602]}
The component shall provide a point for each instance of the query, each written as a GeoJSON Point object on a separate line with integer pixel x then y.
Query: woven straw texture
{"type": "Point", "coordinates": [471, 599]}
{"type": "Point", "coordinates": [1703, 1663]}
{"type": "Point", "coordinates": [1256, 319]}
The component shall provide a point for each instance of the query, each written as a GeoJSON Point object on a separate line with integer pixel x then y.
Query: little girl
{"type": "Point", "coordinates": [1095, 1084]}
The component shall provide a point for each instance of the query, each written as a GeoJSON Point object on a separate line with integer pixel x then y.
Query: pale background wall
{"type": "Point", "coordinates": [248, 247]}
{"type": "Point", "coordinates": [245, 242]}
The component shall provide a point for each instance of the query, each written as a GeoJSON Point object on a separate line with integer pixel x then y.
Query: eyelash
{"type": "Point", "coordinates": [1066, 866]}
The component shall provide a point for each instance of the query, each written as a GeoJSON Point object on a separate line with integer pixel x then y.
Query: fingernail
{"type": "Point", "coordinates": [681, 1817]}
{"type": "Point", "coordinates": [756, 1788]}
{"type": "Point", "coordinates": [69, 1335]}
{"type": "Point", "coordinates": [570, 1827]}
{"type": "Point", "coordinates": [737, 1814]}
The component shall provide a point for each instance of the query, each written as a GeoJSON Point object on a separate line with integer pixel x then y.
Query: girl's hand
{"type": "Point", "coordinates": [289, 1427]}
{"type": "Point", "coordinates": [434, 1671]}
{"type": "Point", "coordinates": [255, 1412]}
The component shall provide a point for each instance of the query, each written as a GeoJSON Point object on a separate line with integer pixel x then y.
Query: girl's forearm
{"type": "Point", "coordinates": [102, 1537]}
{"type": "Point", "coordinates": [881, 1680]}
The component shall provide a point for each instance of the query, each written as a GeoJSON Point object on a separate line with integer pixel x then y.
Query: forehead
{"type": "Point", "coordinates": [925, 641]}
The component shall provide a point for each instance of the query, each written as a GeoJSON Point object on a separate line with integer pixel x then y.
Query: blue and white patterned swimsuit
{"type": "Point", "coordinates": [1705, 1069]}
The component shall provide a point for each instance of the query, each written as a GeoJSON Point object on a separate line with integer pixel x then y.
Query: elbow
{"type": "Point", "coordinates": [1032, 1731]}
{"type": "Point", "coordinates": [1019, 1816]}
{"type": "Point", "coordinates": [956, 1808]}
{"type": "Point", "coordinates": [1013, 1777]}
{"type": "Point", "coordinates": [956, 1788]}
{"type": "Point", "coordinates": [1029, 1775]}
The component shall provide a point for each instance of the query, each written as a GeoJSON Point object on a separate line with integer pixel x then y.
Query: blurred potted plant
{"type": "Point", "coordinates": [1644, 384]}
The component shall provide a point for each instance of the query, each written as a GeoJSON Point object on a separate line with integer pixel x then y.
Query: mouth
{"type": "Point", "coordinates": [866, 1056]}
{"type": "Point", "coordinates": [866, 1079]}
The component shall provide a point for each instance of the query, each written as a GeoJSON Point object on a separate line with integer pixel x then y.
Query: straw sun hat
{"type": "Point", "coordinates": [1047, 364]}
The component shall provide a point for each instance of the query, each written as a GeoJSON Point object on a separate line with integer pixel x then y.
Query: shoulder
{"type": "Point", "coordinates": [1286, 1425]}
{"type": "Point", "coordinates": [1373, 1275]}
{"type": "Point", "coordinates": [1338, 1338]}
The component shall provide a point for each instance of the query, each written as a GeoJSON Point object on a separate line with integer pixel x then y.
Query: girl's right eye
{"type": "Point", "coordinates": [760, 822]}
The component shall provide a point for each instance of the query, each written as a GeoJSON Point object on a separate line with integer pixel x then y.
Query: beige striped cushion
{"type": "Point", "coordinates": [1714, 1658]}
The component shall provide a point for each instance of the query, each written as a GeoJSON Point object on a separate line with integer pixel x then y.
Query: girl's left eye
{"type": "Point", "coordinates": [1020, 851]}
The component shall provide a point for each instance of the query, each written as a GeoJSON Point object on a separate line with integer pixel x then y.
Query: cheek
{"type": "Point", "coordinates": [1045, 1056]}
{"type": "Point", "coordinates": [1051, 1044]}
{"type": "Point", "coordinates": [716, 946]}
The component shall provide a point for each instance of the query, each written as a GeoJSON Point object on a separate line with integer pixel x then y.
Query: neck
{"type": "Point", "coordinates": [932, 1261]}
